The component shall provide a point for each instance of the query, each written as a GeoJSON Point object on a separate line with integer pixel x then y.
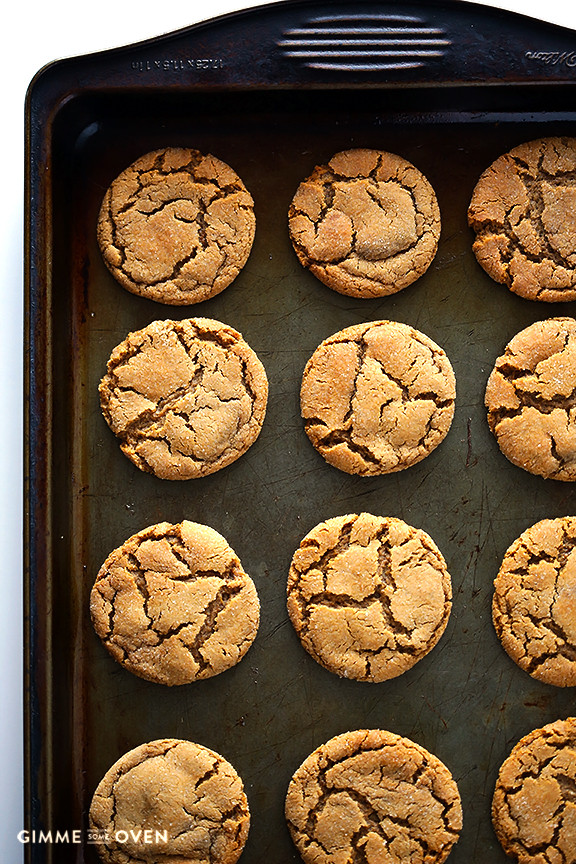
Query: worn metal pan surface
{"type": "Point", "coordinates": [274, 92]}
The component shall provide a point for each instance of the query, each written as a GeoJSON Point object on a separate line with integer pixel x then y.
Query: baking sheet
{"type": "Point", "coordinates": [466, 701]}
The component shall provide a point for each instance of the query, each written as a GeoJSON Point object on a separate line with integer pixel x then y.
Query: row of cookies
{"type": "Point", "coordinates": [187, 398]}
{"type": "Point", "coordinates": [177, 226]}
{"type": "Point", "coordinates": [367, 795]}
{"type": "Point", "coordinates": [368, 596]}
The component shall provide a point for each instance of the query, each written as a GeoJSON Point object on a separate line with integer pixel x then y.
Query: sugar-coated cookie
{"type": "Point", "coordinates": [366, 224]}
{"type": "Point", "coordinates": [368, 596]}
{"type": "Point", "coordinates": [534, 806]}
{"type": "Point", "coordinates": [530, 399]}
{"type": "Point", "coordinates": [523, 211]}
{"type": "Point", "coordinates": [372, 796]}
{"type": "Point", "coordinates": [170, 800]}
{"type": "Point", "coordinates": [377, 397]}
{"type": "Point", "coordinates": [534, 602]}
{"type": "Point", "coordinates": [176, 226]}
{"type": "Point", "coordinates": [184, 398]}
{"type": "Point", "coordinates": [174, 605]}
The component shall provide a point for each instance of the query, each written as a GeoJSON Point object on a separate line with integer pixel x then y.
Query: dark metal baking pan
{"type": "Point", "coordinates": [272, 92]}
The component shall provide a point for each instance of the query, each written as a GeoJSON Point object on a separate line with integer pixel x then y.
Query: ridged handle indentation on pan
{"type": "Point", "coordinates": [364, 42]}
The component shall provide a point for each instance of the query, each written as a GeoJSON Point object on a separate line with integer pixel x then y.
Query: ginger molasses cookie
{"type": "Point", "coordinates": [170, 800]}
{"type": "Point", "coordinates": [523, 211]}
{"type": "Point", "coordinates": [530, 399]}
{"type": "Point", "coordinates": [368, 596]}
{"type": "Point", "coordinates": [377, 397]}
{"type": "Point", "coordinates": [534, 603]}
{"type": "Point", "coordinates": [366, 224]}
{"type": "Point", "coordinates": [534, 804]}
{"type": "Point", "coordinates": [176, 226]}
{"type": "Point", "coordinates": [185, 398]}
{"type": "Point", "coordinates": [174, 605]}
{"type": "Point", "coordinates": [372, 796]}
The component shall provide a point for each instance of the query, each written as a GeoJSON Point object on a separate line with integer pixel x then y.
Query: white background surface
{"type": "Point", "coordinates": [35, 33]}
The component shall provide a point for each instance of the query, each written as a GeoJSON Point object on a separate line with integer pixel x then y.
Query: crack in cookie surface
{"type": "Point", "coordinates": [368, 596]}
{"type": "Point", "coordinates": [185, 398]}
{"type": "Point", "coordinates": [534, 603]}
{"type": "Point", "coordinates": [370, 795]}
{"type": "Point", "coordinates": [531, 399]}
{"type": "Point", "coordinates": [176, 226]}
{"type": "Point", "coordinates": [174, 605]}
{"type": "Point", "coordinates": [523, 211]}
{"type": "Point", "coordinates": [366, 224]}
{"type": "Point", "coordinates": [377, 398]}
{"type": "Point", "coordinates": [534, 803]}
{"type": "Point", "coordinates": [189, 798]}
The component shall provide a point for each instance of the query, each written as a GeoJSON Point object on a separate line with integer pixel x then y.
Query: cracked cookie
{"type": "Point", "coordinates": [173, 604]}
{"type": "Point", "coordinates": [170, 800]}
{"type": "Point", "coordinates": [534, 803]}
{"type": "Point", "coordinates": [368, 596]}
{"type": "Point", "coordinates": [523, 211]}
{"type": "Point", "coordinates": [530, 397]}
{"type": "Point", "coordinates": [534, 602]}
{"type": "Point", "coordinates": [176, 226]}
{"type": "Point", "coordinates": [372, 796]}
{"type": "Point", "coordinates": [185, 398]}
{"type": "Point", "coordinates": [366, 224]}
{"type": "Point", "coordinates": [377, 397]}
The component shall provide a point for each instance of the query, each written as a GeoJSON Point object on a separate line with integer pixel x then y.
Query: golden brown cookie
{"type": "Point", "coordinates": [530, 399]}
{"type": "Point", "coordinates": [170, 800]}
{"type": "Point", "coordinates": [534, 804]}
{"type": "Point", "coordinates": [366, 224]}
{"type": "Point", "coordinates": [534, 603]}
{"type": "Point", "coordinates": [368, 596]}
{"type": "Point", "coordinates": [377, 397]}
{"type": "Point", "coordinates": [523, 211]}
{"type": "Point", "coordinates": [185, 398]}
{"type": "Point", "coordinates": [176, 226]}
{"type": "Point", "coordinates": [173, 604]}
{"type": "Point", "coordinates": [374, 797]}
